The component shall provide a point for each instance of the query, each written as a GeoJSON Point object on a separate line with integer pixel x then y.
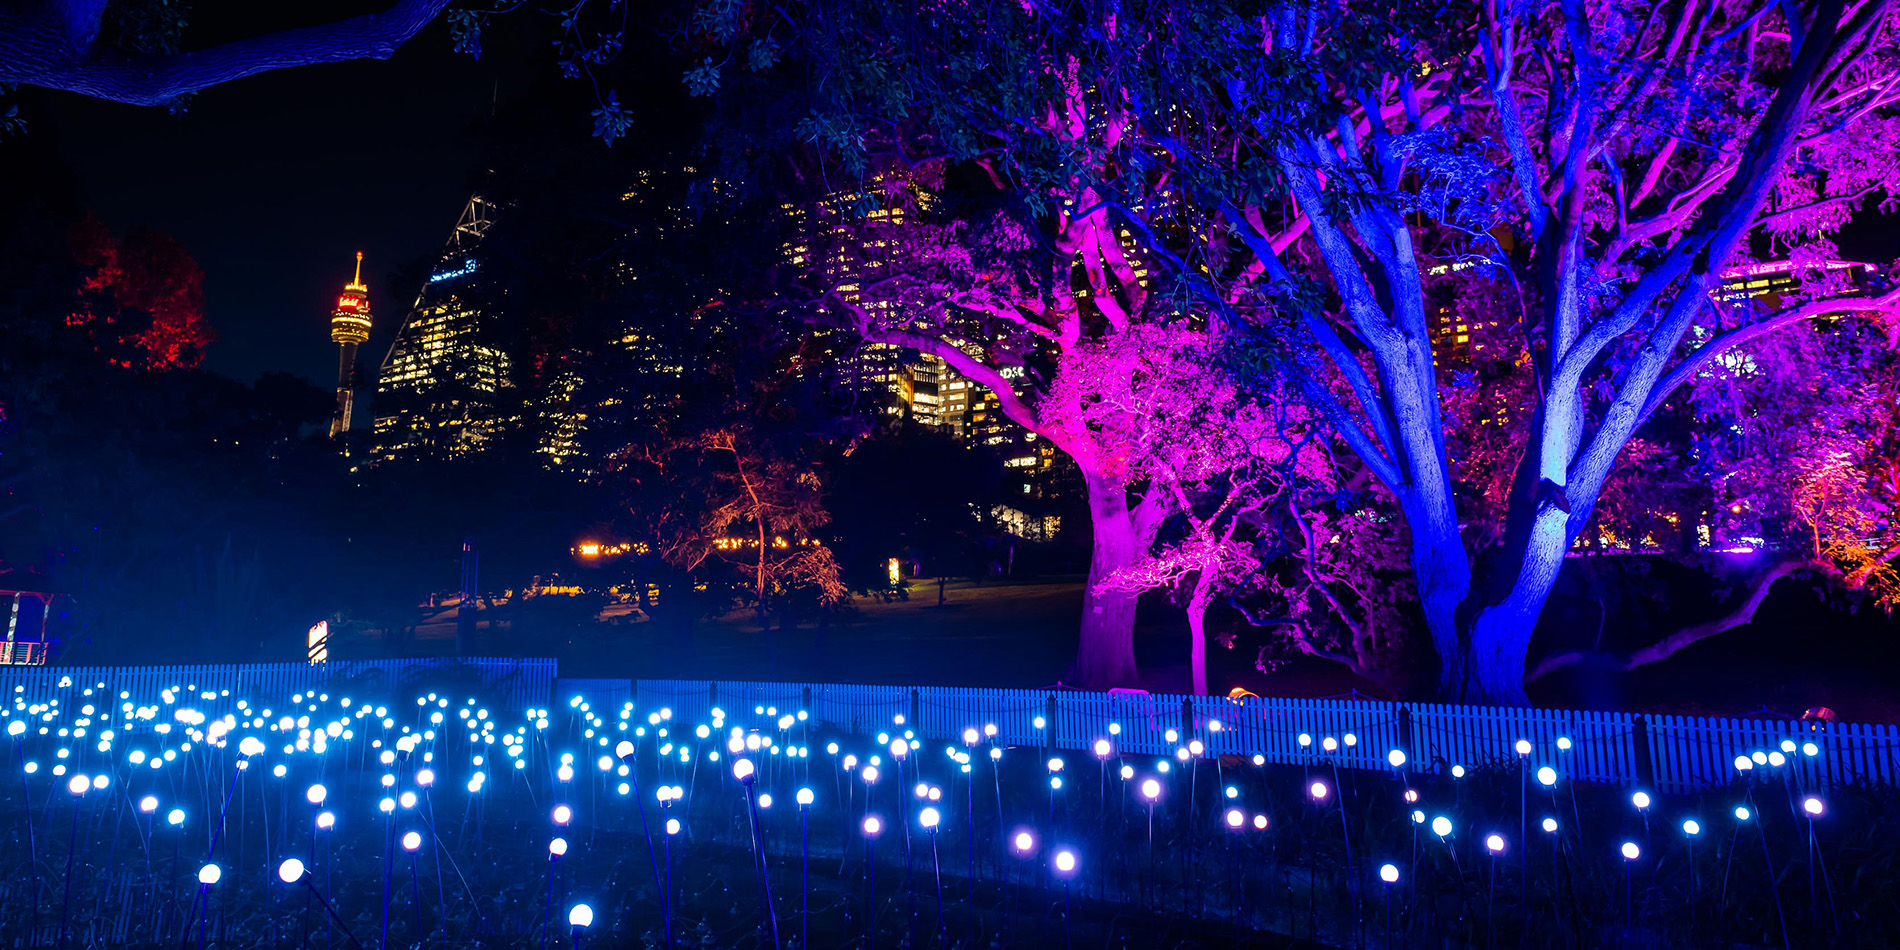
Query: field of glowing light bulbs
{"type": "Point", "coordinates": [331, 820]}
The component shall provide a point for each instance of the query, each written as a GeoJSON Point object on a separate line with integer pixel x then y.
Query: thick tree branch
{"type": "Point", "coordinates": [978, 371]}
{"type": "Point", "coordinates": [1686, 637]}
{"type": "Point", "coordinates": [1700, 358]}
{"type": "Point", "coordinates": [1857, 578]}
{"type": "Point", "coordinates": [39, 51]}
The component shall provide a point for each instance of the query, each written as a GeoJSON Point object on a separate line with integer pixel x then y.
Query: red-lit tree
{"type": "Point", "coordinates": [142, 300]}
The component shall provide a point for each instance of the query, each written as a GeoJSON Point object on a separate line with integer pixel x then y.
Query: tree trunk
{"type": "Point", "coordinates": [1500, 640]}
{"type": "Point", "coordinates": [1501, 634]}
{"type": "Point", "coordinates": [1105, 654]}
{"type": "Point", "coordinates": [1443, 576]}
{"type": "Point", "coordinates": [1197, 633]}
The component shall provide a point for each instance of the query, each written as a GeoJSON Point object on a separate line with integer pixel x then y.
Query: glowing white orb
{"type": "Point", "coordinates": [1389, 873]}
{"type": "Point", "coordinates": [291, 871]}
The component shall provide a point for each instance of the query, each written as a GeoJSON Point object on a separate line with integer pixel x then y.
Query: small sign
{"type": "Point", "coordinates": [317, 643]}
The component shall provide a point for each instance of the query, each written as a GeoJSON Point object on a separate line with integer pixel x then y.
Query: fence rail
{"type": "Point", "coordinates": [1668, 754]}
{"type": "Point", "coordinates": [515, 683]}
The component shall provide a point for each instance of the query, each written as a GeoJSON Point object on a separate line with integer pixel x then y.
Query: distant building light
{"type": "Point", "coordinates": [467, 268]}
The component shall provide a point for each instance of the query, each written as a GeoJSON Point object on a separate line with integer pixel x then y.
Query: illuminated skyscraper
{"type": "Point", "coordinates": [441, 392]}
{"type": "Point", "coordinates": [349, 325]}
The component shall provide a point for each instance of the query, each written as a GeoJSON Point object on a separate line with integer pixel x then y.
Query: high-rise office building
{"type": "Point", "coordinates": [875, 376]}
{"type": "Point", "coordinates": [1771, 281]}
{"type": "Point", "coordinates": [349, 326]}
{"type": "Point", "coordinates": [443, 389]}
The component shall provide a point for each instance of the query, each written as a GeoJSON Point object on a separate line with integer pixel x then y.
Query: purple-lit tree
{"type": "Point", "coordinates": [1317, 175]}
{"type": "Point", "coordinates": [985, 298]}
{"type": "Point", "coordinates": [1171, 419]}
{"type": "Point", "coordinates": [1256, 519]}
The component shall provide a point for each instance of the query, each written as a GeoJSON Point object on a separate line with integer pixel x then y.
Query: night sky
{"type": "Point", "coordinates": [276, 181]}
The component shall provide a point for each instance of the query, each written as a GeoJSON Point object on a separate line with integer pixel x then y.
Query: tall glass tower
{"type": "Point", "coordinates": [349, 326]}
{"type": "Point", "coordinates": [442, 390]}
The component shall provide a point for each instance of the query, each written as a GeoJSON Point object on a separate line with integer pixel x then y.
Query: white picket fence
{"type": "Point", "coordinates": [507, 682]}
{"type": "Point", "coordinates": [1669, 754]}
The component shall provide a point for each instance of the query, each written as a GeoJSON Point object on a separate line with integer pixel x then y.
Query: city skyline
{"type": "Point", "coordinates": [274, 183]}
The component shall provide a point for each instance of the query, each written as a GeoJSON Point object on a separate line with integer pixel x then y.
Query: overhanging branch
{"type": "Point", "coordinates": [1686, 637]}
{"type": "Point", "coordinates": [38, 50]}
